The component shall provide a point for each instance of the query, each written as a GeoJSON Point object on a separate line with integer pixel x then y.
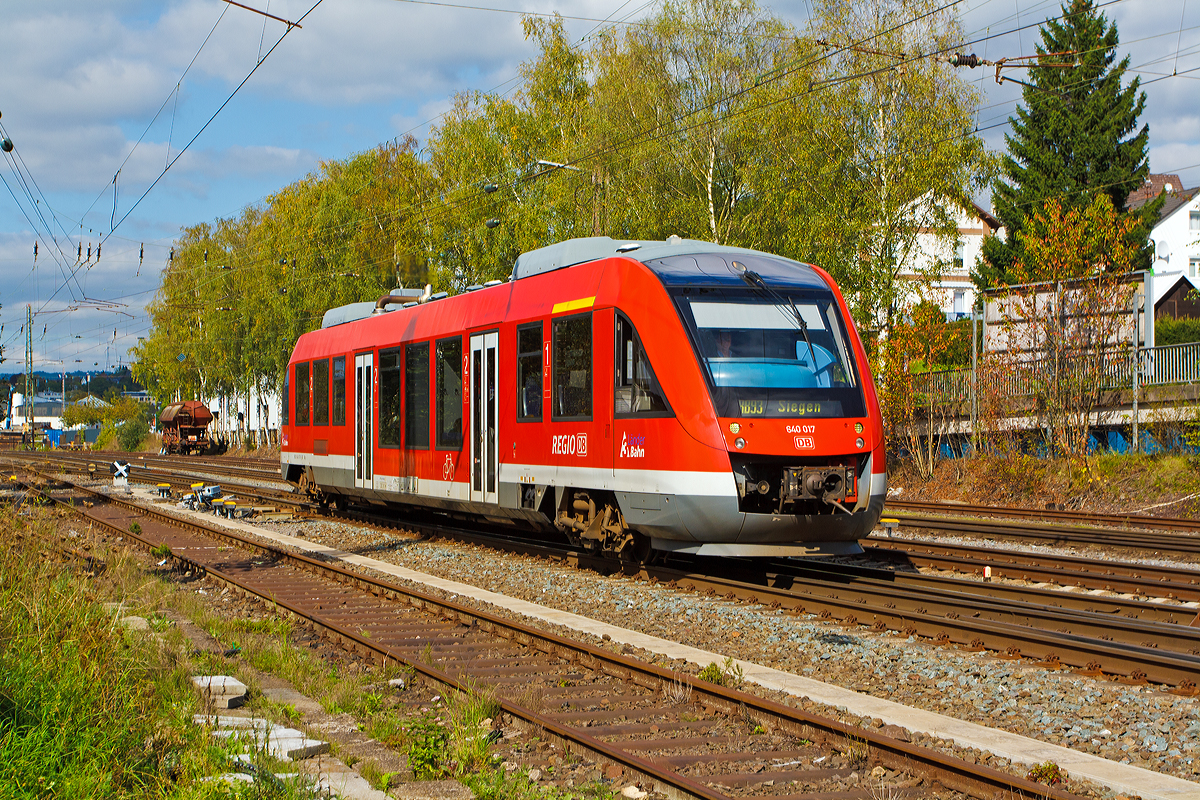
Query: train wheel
{"type": "Point", "coordinates": [594, 521]}
{"type": "Point", "coordinates": [638, 549]}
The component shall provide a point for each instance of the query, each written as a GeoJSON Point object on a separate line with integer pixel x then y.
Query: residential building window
{"type": "Point", "coordinates": [1193, 267]}
{"type": "Point", "coordinates": [1194, 220]}
{"type": "Point", "coordinates": [960, 249]}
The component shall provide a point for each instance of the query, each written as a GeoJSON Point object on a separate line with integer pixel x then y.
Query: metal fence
{"type": "Point", "coordinates": [1160, 366]}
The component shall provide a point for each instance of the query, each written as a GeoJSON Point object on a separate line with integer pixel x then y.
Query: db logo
{"type": "Point", "coordinates": [805, 443]}
{"type": "Point", "coordinates": [569, 445]}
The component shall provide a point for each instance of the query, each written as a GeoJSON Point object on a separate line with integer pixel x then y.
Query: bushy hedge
{"type": "Point", "coordinates": [1176, 331]}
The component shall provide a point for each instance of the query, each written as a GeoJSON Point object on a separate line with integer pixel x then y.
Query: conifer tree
{"type": "Point", "coordinates": [1075, 135]}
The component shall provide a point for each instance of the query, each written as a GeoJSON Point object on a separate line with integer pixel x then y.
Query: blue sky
{"type": "Point", "coordinates": [84, 80]}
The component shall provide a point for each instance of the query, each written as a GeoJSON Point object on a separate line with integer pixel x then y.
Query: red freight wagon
{"type": "Point", "coordinates": [185, 428]}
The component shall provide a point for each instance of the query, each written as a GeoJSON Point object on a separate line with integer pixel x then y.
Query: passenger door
{"type": "Point", "coordinates": [484, 374]}
{"type": "Point", "coordinates": [364, 415]}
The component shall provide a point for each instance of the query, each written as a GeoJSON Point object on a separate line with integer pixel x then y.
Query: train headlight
{"type": "Point", "coordinates": [859, 443]}
{"type": "Point", "coordinates": [739, 443]}
{"type": "Point", "coordinates": [858, 427]}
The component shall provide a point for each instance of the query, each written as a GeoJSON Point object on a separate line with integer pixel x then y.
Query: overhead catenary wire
{"type": "Point", "coordinates": [993, 126]}
{"type": "Point", "coordinates": [198, 133]}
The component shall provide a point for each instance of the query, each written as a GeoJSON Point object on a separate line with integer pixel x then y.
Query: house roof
{"type": "Point", "coordinates": [1152, 188]}
{"type": "Point", "coordinates": [988, 219]}
{"type": "Point", "coordinates": [1167, 283]}
{"type": "Point", "coordinates": [1156, 185]}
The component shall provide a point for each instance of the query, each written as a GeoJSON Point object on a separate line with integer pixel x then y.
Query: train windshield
{"type": "Point", "coordinates": [776, 353]}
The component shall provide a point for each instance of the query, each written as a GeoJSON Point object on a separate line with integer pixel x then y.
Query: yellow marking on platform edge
{"type": "Point", "coordinates": [574, 305]}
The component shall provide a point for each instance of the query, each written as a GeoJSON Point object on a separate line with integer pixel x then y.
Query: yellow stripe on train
{"type": "Point", "coordinates": [574, 305]}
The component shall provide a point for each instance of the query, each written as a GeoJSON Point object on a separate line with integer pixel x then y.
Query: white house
{"type": "Point", "coordinates": [1176, 240]}
{"type": "Point", "coordinates": [944, 265]}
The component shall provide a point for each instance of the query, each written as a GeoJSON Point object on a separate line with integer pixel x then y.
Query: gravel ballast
{"type": "Point", "coordinates": [1140, 725]}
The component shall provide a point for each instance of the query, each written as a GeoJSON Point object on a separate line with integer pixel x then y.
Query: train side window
{"type": "Point", "coordinates": [389, 398]}
{"type": "Point", "coordinates": [287, 397]}
{"type": "Point", "coordinates": [302, 387]}
{"type": "Point", "coordinates": [638, 393]}
{"type": "Point", "coordinates": [448, 379]}
{"type": "Point", "coordinates": [529, 373]}
{"type": "Point", "coordinates": [320, 379]}
{"type": "Point", "coordinates": [339, 390]}
{"type": "Point", "coordinates": [572, 367]}
{"type": "Point", "coordinates": [416, 396]}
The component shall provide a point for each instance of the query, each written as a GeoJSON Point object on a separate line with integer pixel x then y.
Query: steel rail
{"type": "Point", "coordinates": [913, 613]}
{"type": "Point", "coordinates": [942, 769]}
{"type": "Point", "coordinates": [139, 462]}
{"type": "Point", "coordinates": [1181, 543]}
{"type": "Point", "coordinates": [1131, 648]}
{"type": "Point", "coordinates": [1130, 577]}
{"type": "Point", "coordinates": [1058, 515]}
{"type": "Point", "coordinates": [1116, 608]}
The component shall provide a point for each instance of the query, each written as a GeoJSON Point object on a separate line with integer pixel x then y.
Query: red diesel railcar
{"type": "Point", "coordinates": [637, 396]}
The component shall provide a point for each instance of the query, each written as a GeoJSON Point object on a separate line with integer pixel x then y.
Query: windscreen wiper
{"type": "Point", "coordinates": [803, 331]}
{"type": "Point", "coordinates": [754, 279]}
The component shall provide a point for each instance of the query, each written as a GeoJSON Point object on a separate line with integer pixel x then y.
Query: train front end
{"type": "Point", "coordinates": [794, 400]}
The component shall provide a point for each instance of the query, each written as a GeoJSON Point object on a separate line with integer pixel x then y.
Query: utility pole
{"type": "Point", "coordinates": [29, 387]}
{"type": "Point", "coordinates": [974, 382]}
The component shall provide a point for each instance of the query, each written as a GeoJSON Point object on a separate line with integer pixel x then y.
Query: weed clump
{"type": "Point", "coordinates": [728, 674]}
{"type": "Point", "coordinates": [1047, 772]}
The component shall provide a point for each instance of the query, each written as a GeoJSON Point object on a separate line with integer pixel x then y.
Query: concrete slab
{"type": "Point", "coordinates": [431, 790]}
{"type": "Point", "coordinates": [1123, 778]}
{"type": "Point", "coordinates": [296, 700]}
{"type": "Point", "coordinates": [280, 741]}
{"type": "Point", "coordinates": [136, 623]}
{"type": "Point", "coordinates": [229, 777]}
{"type": "Point", "coordinates": [232, 722]}
{"type": "Point", "coordinates": [339, 780]}
{"type": "Point", "coordinates": [221, 691]}
{"type": "Point", "coordinates": [219, 684]}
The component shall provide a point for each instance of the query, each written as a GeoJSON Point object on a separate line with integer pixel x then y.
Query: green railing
{"type": "Point", "coordinates": [1160, 366]}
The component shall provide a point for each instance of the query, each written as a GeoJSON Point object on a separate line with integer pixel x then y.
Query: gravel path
{"type": "Point", "coordinates": [1131, 724]}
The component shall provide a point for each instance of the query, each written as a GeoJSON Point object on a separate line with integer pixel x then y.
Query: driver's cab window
{"type": "Point", "coordinates": [794, 343]}
{"type": "Point", "coordinates": [638, 392]}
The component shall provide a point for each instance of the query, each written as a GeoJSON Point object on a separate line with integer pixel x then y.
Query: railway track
{"type": "Point", "coordinates": [1125, 649]}
{"type": "Point", "coordinates": [1130, 639]}
{"type": "Point", "coordinates": [1069, 571]}
{"type": "Point", "coordinates": [676, 734]}
{"type": "Point", "coordinates": [211, 467]}
{"type": "Point", "coordinates": [952, 519]}
{"type": "Point", "coordinates": [1056, 515]}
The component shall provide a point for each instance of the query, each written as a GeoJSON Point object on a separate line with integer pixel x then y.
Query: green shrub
{"type": "Point", "coordinates": [728, 674]}
{"type": "Point", "coordinates": [1047, 772]}
{"type": "Point", "coordinates": [428, 741]}
{"type": "Point", "coordinates": [1176, 331]}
